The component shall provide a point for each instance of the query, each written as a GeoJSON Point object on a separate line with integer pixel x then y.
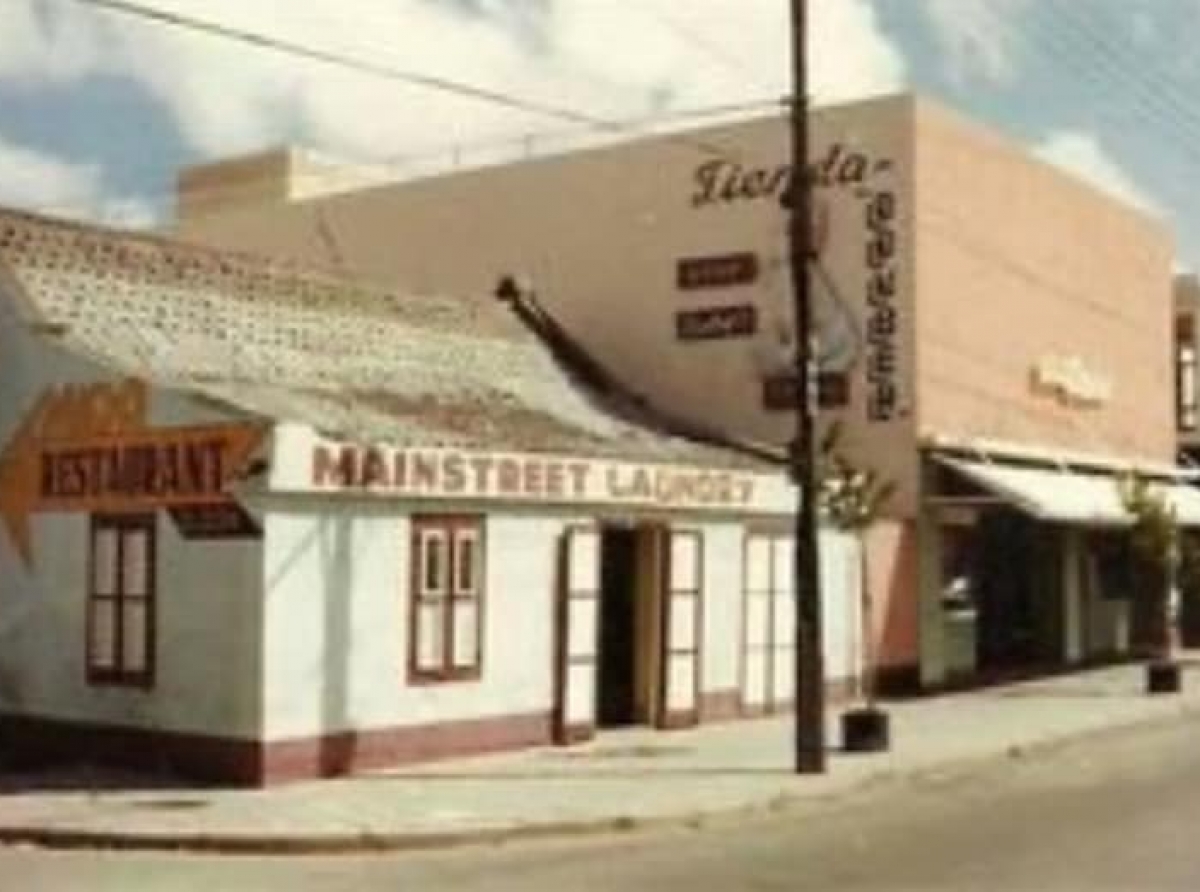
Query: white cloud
{"type": "Point", "coordinates": [32, 179]}
{"type": "Point", "coordinates": [979, 39]}
{"type": "Point", "coordinates": [1081, 154]}
{"type": "Point", "coordinates": [606, 59]}
{"type": "Point", "coordinates": [57, 186]}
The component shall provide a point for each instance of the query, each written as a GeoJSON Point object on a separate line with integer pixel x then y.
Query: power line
{"type": "Point", "coordinates": [411, 78]}
{"type": "Point", "coordinates": [1156, 105]}
{"type": "Point", "coordinates": [697, 40]}
{"type": "Point", "coordinates": [347, 174]}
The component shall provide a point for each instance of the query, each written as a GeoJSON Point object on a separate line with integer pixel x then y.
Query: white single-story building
{"type": "Point", "coordinates": [261, 523]}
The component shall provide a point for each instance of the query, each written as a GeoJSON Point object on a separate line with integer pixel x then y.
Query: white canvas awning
{"type": "Point", "coordinates": [1068, 496]}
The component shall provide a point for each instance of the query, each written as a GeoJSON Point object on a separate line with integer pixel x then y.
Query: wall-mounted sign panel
{"type": "Point", "coordinates": [780, 394]}
{"type": "Point", "coordinates": [1071, 381]}
{"type": "Point", "coordinates": [717, 271]}
{"type": "Point", "coordinates": [90, 448]}
{"type": "Point", "coordinates": [714, 323]}
{"type": "Point", "coordinates": [305, 462]}
{"type": "Point", "coordinates": [217, 520]}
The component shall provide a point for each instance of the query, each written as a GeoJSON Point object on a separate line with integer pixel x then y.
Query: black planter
{"type": "Point", "coordinates": [865, 730]}
{"type": "Point", "coordinates": [1163, 677]}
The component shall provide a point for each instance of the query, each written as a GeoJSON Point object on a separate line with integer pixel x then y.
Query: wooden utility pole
{"type": "Point", "coordinates": [809, 668]}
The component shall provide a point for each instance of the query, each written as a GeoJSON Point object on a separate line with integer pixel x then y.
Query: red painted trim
{"type": "Point", "coordinates": [346, 752]}
{"type": "Point", "coordinates": [720, 706]}
{"type": "Point", "coordinates": [572, 734]}
{"type": "Point", "coordinates": [33, 741]}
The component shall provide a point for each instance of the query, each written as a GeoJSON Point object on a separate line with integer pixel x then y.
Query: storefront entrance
{"type": "Point", "coordinates": [1018, 591]}
{"type": "Point", "coordinates": [629, 629]}
{"type": "Point", "coordinates": [1002, 593]}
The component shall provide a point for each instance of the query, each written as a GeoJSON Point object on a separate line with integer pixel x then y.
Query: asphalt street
{"type": "Point", "coordinates": [1115, 813]}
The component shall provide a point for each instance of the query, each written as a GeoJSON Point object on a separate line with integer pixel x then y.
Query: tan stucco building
{"type": "Point", "coordinates": [995, 335]}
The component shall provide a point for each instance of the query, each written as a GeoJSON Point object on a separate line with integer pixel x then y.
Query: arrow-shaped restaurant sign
{"type": "Point", "coordinates": [88, 449]}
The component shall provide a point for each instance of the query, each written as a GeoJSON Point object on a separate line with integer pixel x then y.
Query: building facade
{"type": "Point", "coordinates": [261, 523]}
{"type": "Point", "coordinates": [994, 339]}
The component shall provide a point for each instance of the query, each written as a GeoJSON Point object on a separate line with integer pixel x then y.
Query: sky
{"type": "Point", "coordinates": [98, 110]}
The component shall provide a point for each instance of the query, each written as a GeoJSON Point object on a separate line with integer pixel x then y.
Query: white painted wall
{"type": "Point", "coordinates": [208, 592]}
{"type": "Point", "coordinates": [206, 676]}
{"type": "Point", "coordinates": [336, 622]}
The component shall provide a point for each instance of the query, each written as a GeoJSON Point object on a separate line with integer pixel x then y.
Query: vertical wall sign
{"type": "Point", "coordinates": [881, 320]}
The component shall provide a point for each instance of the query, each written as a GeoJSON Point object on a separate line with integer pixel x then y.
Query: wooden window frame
{"type": "Point", "coordinates": [118, 674]}
{"type": "Point", "coordinates": [453, 530]}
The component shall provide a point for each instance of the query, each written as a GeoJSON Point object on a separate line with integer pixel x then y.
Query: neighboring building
{"type": "Point", "coordinates": [995, 339]}
{"type": "Point", "coordinates": [261, 523]}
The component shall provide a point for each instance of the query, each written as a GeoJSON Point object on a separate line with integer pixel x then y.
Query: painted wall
{"type": "Point", "coordinates": [599, 235]}
{"type": "Point", "coordinates": [1017, 262]}
{"type": "Point", "coordinates": [336, 618]}
{"type": "Point", "coordinates": [336, 622]}
{"type": "Point", "coordinates": [207, 676]}
{"type": "Point", "coordinates": [892, 555]}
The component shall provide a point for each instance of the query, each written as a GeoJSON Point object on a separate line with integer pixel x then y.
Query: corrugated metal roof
{"type": "Point", "coordinates": [278, 341]}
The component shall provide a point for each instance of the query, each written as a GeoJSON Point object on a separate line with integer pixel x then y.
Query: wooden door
{"type": "Point", "coordinates": [682, 607]}
{"type": "Point", "coordinates": [577, 632]}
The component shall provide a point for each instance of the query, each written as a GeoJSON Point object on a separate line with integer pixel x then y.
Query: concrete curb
{"type": "Point", "coordinates": [365, 842]}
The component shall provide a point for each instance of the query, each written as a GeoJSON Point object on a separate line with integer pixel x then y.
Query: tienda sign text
{"type": "Point", "coordinates": [468, 475]}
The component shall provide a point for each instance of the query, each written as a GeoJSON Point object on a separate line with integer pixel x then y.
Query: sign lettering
{"type": "Point", "coordinates": [720, 271]}
{"type": "Point", "coordinates": [716, 322]}
{"type": "Point", "coordinates": [218, 520]}
{"type": "Point", "coordinates": [452, 474]}
{"type": "Point", "coordinates": [1069, 379]}
{"type": "Point", "coordinates": [88, 448]}
{"type": "Point", "coordinates": [723, 182]}
{"type": "Point", "coordinates": [881, 320]}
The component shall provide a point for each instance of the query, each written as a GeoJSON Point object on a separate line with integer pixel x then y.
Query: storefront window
{"type": "Point", "coordinates": [446, 595]}
{"type": "Point", "coordinates": [1113, 566]}
{"type": "Point", "coordinates": [1185, 373]}
{"type": "Point", "coordinates": [120, 604]}
{"type": "Point", "coordinates": [958, 568]}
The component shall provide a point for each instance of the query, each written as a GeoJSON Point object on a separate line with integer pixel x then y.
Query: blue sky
{"type": "Point", "coordinates": [97, 110]}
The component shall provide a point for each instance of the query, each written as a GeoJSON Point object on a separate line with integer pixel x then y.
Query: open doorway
{"type": "Point", "coordinates": [630, 625]}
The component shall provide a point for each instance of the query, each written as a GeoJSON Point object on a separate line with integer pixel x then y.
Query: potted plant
{"type": "Point", "coordinates": [1155, 558]}
{"type": "Point", "coordinates": [851, 500]}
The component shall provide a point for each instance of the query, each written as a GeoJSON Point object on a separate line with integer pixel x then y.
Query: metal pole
{"type": "Point", "coordinates": [809, 668]}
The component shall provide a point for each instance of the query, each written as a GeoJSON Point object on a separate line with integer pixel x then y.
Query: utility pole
{"type": "Point", "coordinates": [810, 669]}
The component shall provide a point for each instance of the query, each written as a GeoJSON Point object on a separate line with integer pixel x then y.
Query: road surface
{"type": "Point", "coordinates": [1115, 813]}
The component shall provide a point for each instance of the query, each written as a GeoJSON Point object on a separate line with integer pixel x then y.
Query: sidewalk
{"type": "Point", "coordinates": [621, 780]}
